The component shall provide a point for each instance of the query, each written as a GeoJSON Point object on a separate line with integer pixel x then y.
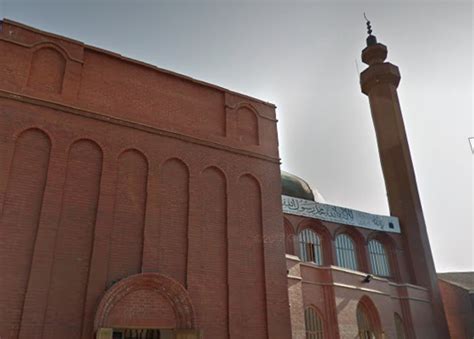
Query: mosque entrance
{"type": "Point", "coordinates": [146, 306]}
{"type": "Point", "coordinates": [137, 333]}
{"type": "Point", "coordinates": [147, 333]}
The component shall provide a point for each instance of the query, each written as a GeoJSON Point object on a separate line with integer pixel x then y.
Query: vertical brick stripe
{"type": "Point", "coordinates": [19, 224]}
{"type": "Point", "coordinates": [74, 242]}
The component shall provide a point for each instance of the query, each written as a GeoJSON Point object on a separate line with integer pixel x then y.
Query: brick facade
{"type": "Point", "coordinates": [336, 292]}
{"type": "Point", "coordinates": [112, 169]}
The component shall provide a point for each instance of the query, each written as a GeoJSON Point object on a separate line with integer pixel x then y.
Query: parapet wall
{"type": "Point", "coordinates": [57, 69]}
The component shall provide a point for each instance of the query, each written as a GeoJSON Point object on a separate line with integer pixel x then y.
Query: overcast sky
{"type": "Point", "coordinates": [304, 56]}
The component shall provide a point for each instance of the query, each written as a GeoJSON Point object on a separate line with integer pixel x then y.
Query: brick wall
{"type": "Point", "coordinates": [110, 168]}
{"type": "Point", "coordinates": [459, 308]}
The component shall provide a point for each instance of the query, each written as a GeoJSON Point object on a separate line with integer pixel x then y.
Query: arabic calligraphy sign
{"type": "Point", "coordinates": [340, 215]}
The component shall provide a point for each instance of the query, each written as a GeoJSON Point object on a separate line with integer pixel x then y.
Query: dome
{"type": "Point", "coordinates": [296, 187]}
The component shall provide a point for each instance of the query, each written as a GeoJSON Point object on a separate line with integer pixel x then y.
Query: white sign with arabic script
{"type": "Point", "coordinates": [340, 215]}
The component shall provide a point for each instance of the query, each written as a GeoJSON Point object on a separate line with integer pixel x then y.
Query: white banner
{"type": "Point", "coordinates": [340, 215]}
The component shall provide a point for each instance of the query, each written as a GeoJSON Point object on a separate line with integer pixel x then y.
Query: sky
{"type": "Point", "coordinates": [304, 56]}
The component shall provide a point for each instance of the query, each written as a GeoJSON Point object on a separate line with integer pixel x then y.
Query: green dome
{"type": "Point", "coordinates": [294, 186]}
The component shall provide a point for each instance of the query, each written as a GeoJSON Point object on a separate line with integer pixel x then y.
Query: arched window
{"type": "Point", "coordinates": [378, 258]}
{"type": "Point", "coordinates": [345, 251]}
{"type": "Point", "coordinates": [399, 327]}
{"type": "Point", "coordinates": [313, 324]}
{"type": "Point", "coordinates": [310, 246]}
{"type": "Point", "coordinates": [364, 323]}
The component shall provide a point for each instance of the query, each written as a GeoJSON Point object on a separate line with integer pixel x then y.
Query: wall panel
{"type": "Point", "coordinates": [74, 241]}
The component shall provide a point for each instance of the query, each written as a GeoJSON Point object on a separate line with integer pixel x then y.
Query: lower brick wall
{"type": "Point", "coordinates": [108, 201]}
{"type": "Point", "coordinates": [458, 305]}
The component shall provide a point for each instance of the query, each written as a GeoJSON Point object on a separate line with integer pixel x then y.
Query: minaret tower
{"type": "Point", "coordinates": [379, 82]}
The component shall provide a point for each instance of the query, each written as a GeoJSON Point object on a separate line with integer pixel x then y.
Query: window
{"type": "Point", "coordinates": [345, 252]}
{"type": "Point", "coordinates": [364, 323]}
{"type": "Point", "coordinates": [313, 324]}
{"type": "Point", "coordinates": [378, 258]}
{"type": "Point", "coordinates": [310, 246]}
{"type": "Point", "coordinates": [399, 327]}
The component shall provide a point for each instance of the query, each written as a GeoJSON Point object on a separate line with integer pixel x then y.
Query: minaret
{"type": "Point", "coordinates": [379, 82]}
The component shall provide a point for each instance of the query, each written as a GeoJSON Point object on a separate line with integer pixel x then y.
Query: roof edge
{"type": "Point", "coordinates": [445, 278]}
{"type": "Point", "coordinates": [137, 62]}
{"type": "Point", "coordinates": [456, 285]}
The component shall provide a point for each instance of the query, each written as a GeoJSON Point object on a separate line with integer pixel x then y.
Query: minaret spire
{"type": "Point", "coordinates": [371, 39]}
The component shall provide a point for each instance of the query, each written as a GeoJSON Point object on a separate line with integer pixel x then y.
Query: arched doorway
{"type": "Point", "coordinates": [368, 321]}
{"type": "Point", "coordinates": [146, 306]}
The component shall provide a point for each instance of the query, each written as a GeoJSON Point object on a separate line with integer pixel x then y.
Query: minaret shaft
{"type": "Point", "coordinates": [379, 82]}
{"type": "Point", "coordinates": [400, 182]}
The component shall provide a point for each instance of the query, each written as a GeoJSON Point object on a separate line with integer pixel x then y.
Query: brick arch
{"type": "Point", "coordinates": [391, 249]}
{"type": "Point", "coordinates": [41, 130]}
{"type": "Point", "coordinates": [169, 289]}
{"type": "Point", "coordinates": [51, 44]}
{"type": "Point", "coordinates": [318, 227]}
{"type": "Point", "coordinates": [136, 151]}
{"type": "Point", "coordinates": [383, 237]}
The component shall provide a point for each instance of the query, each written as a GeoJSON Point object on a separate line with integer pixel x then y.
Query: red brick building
{"type": "Point", "coordinates": [133, 197]}
{"type": "Point", "coordinates": [140, 203]}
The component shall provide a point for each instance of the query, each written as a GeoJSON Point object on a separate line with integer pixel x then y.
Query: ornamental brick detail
{"type": "Point", "coordinates": [153, 284]}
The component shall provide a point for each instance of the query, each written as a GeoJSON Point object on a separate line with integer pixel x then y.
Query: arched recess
{"type": "Point", "coordinates": [360, 245]}
{"type": "Point", "coordinates": [173, 200]}
{"type": "Point", "coordinates": [213, 253]}
{"type": "Point", "coordinates": [391, 249]}
{"type": "Point", "coordinates": [247, 126]}
{"type": "Point", "coordinates": [249, 261]}
{"type": "Point", "coordinates": [47, 69]}
{"type": "Point", "coordinates": [74, 241]}
{"type": "Point", "coordinates": [126, 246]}
{"type": "Point", "coordinates": [19, 223]}
{"type": "Point", "coordinates": [368, 319]}
{"type": "Point", "coordinates": [325, 236]}
{"type": "Point", "coordinates": [176, 306]}
{"type": "Point", "coordinates": [289, 236]}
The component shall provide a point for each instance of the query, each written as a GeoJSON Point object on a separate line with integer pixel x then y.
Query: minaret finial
{"type": "Point", "coordinates": [371, 39]}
